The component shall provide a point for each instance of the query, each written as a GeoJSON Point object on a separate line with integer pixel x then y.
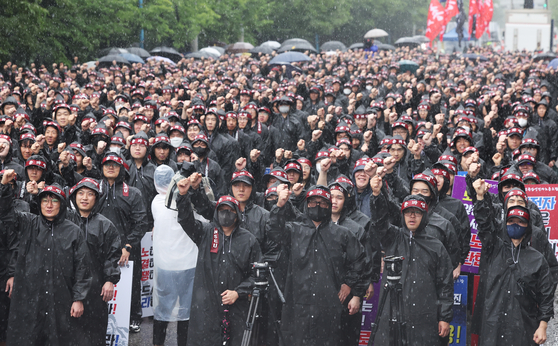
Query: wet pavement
{"type": "Point", "coordinates": [145, 336]}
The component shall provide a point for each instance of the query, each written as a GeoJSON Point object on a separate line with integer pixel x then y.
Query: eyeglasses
{"type": "Point", "coordinates": [397, 150]}
{"type": "Point", "coordinates": [111, 164]}
{"type": "Point", "coordinates": [46, 200]}
{"type": "Point", "coordinates": [412, 212]}
{"type": "Point", "coordinates": [323, 204]}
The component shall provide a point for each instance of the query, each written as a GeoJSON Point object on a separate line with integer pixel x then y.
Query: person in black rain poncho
{"type": "Point", "coordinates": [52, 276]}
{"type": "Point", "coordinates": [427, 270]}
{"type": "Point", "coordinates": [518, 293]}
{"type": "Point", "coordinates": [103, 241]}
{"type": "Point", "coordinates": [224, 278]}
{"type": "Point", "coordinates": [325, 269]}
{"type": "Point", "coordinates": [124, 206]}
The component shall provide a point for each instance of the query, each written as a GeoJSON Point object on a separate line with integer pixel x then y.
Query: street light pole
{"type": "Point", "coordinates": [141, 31]}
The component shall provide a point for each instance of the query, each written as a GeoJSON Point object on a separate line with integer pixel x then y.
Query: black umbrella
{"type": "Point", "coordinates": [239, 47]}
{"type": "Point", "coordinates": [142, 53]}
{"type": "Point", "coordinates": [333, 45]}
{"type": "Point", "coordinates": [112, 51]}
{"type": "Point", "coordinates": [545, 56]}
{"type": "Point", "coordinates": [406, 41]}
{"type": "Point", "coordinates": [261, 49]}
{"type": "Point", "coordinates": [474, 57]}
{"type": "Point", "coordinates": [357, 46]}
{"type": "Point", "coordinates": [167, 52]}
{"type": "Point", "coordinates": [199, 55]}
{"type": "Point", "coordinates": [297, 44]}
{"type": "Point", "coordinates": [385, 46]}
{"type": "Point", "coordinates": [107, 60]}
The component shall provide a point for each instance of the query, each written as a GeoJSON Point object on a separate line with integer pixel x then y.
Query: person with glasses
{"type": "Point", "coordinates": [50, 275]}
{"type": "Point", "coordinates": [326, 265]}
{"type": "Point", "coordinates": [426, 279]}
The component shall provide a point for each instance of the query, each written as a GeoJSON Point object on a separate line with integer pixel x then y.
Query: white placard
{"type": "Point", "coordinates": [119, 309]}
{"type": "Point", "coordinates": [147, 274]}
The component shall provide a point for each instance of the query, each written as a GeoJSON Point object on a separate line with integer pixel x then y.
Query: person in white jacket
{"type": "Point", "coordinates": [174, 258]}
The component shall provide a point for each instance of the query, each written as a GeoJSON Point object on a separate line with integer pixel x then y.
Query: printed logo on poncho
{"type": "Point", "coordinates": [215, 241]}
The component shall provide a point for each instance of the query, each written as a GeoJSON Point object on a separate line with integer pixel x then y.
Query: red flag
{"type": "Point", "coordinates": [451, 11]}
{"type": "Point", "coordinates": [473, 11]}
{"type": "Point", "coordinates": [484, 18]}
{"type": "Point", "coordinates": [435, 22]}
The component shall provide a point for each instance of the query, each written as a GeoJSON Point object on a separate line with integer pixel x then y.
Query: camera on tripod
{"type": "Point", "coordinates": [393, 265]}
{"type": "Point", "coordinates": [261, 271]}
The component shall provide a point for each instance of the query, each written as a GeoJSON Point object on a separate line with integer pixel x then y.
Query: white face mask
{"type": "Point", "coordinates": [346, 91]}
{"type": "Point", "coordinates": [319, 167]}
{"type": "Point", "coordinates": [522, 122]}
{"type": "Point", "coordinates": [284, 109]}
{"type": "Point", "coordinates": [176, 141]}
{"type": "Point", "coordinates": [114, 149]}
{"type": "Point", "coordinates": [369, 87]}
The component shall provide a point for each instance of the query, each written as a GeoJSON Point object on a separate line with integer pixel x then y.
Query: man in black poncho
{"type": "Point", "coordinates": [52, 275]}
{"type": "Point", "coordinates": [518, 291]}
{"type": "Point", "coordinates": [427, 270]}
{"type": "Point", "coordinates": [124, 206]}
{"type": "Point", "coordinates": [224, 278]}
{"type": "Point", "coordinates": [326, 267]}
{"type": "Point", "coordinates": [103, 242]}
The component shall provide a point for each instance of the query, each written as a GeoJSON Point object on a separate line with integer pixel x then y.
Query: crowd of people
{"type": "Point", "coordinates": [319, 169]}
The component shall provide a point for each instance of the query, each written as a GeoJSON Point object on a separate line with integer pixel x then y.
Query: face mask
{"type": "Point", "coordinates": [284, 109]}
{"type": "Point", "coordinates": [269, 204]}
{"type": "Point", "coordinates": [426, 198]}
{"type": "Point", "coordinates": [114, 149]}
{"type": "Point", "coordinates": [226, 218]}
{"type": "Point", "coordinates": [522, 122]}
{"type": "Point", "coordinates": [369, 87]}
{"type": "Point", "coordinates": [201, 152]}
{"type": "Point", "coordinates": [176, 141]}
{"type": "Point", "coordinates": [319, 214]}
{"type": "Point", "coordinates": [346, 91]}
{"type": "Point", "coordinates": [319, 167]}
{"type": "Point", "coordinates": [516, 231]}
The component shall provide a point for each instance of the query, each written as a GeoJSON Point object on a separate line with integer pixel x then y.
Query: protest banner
{"type": "Point", "coordinates": [119, 309]}
{"type": "Point", "coordinates": [458, 326]}
{"type": "Point", "coordinates": [369, 311]}
{"type": "Point", "coordinates": [544, 196]}
{"type": "Point", "coordinates": [471, 264]}
{"type": "Point", "coordinates": [147, 274]}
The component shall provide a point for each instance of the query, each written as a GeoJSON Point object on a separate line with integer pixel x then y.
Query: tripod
{"type": "Point", "coordinates": [255, 311]}
{"type": "Point", "coordinates": [397, 326]}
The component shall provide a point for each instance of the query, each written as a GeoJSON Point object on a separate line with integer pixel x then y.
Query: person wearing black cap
{"type": "Point", "coordinates": [518, 292]}
{"type": "Point", "coordinates": [549, 126]}
{"type": "Point", "coordinates": [326, 266]}
{"type": "Point", "coordinates": [206, 166]}
{"type": "Point", "coordinates": [290, 128]}
{"type": "Point", "coordinates": [427, 270]}
{"type": "Point", "coordinates": [103, 241]}
{"type": "Point", "coordinates": [51, 277]}
{"type": "Point", "coordinates": [223, 277]}
{"type": "Point", "coordinates": [226, 147]}
{"type": "Point", "coordinates": [161, 152]}
{"type": "Point", "coordinates": [124, 206]}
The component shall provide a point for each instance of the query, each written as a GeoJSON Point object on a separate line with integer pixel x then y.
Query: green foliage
{"type": "Point", "coordinates": [47, 31]}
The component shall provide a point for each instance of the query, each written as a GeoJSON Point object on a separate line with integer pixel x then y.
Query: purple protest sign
{"type": "Point", "coordinates": [471, 264]}
{"type": "Point", "coordinates": [369, 312]}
